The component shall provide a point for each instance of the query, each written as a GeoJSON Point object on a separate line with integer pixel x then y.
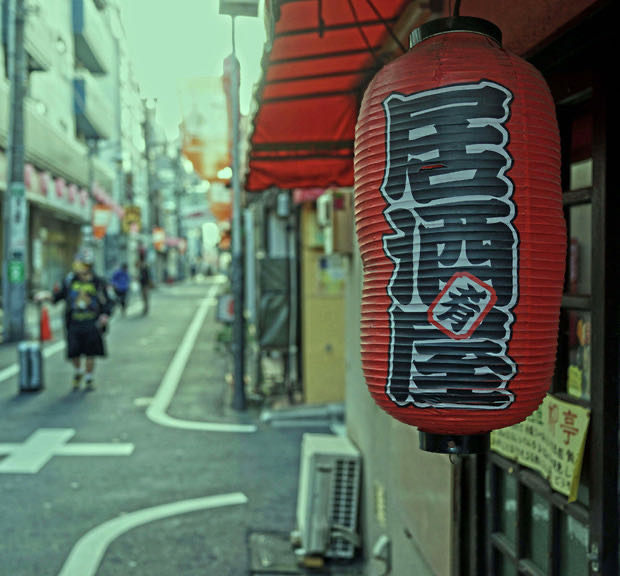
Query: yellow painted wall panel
{"type": "Point", "coordinates": [323, 318]}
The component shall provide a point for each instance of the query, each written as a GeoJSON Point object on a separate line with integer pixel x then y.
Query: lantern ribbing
{"type": "Point", "coordinates": [459, 219]}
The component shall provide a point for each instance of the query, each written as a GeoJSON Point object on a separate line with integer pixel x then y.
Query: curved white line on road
{"type": "Point", "coordinates": [86, 555]}
{"type": "Point", "coordinates": [156, 411]}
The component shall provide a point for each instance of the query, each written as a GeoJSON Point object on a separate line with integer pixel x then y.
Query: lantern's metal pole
{"type": "Point", "coordinates": [239, 402]}
{"type": "Point", "coordinates": [15, 219]}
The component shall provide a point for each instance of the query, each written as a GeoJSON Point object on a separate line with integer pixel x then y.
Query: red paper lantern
{"type": "Point", "coordinates": [459, 219]}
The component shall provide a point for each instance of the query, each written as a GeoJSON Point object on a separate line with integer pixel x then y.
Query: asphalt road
{"type": "Point", "coordinates": [152, 473]}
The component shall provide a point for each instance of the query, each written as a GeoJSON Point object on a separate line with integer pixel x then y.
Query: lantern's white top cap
{"type": "Point", "coordinates": [455, 24]}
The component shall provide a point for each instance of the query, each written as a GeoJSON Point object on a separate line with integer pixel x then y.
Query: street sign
{"type": "Point", "coordinates": [18, 217]}
{"type": "Point", "coordinates": [239, 7]}
{"type": "Point", "coordinates": [159, 239]}
{"type": "Point", "coordinates": [16, 271]}
{"type": "Point", "coordinates": [102, 216]}
{"type": "Point", "coordinates": [132, 219]}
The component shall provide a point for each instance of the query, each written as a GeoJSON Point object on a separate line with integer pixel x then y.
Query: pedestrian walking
{"type": "Point", "coordinates": [87, 311]}
{"type": "Point", "coordinates": [145, 286]}
{"type": "Point", "coordinates": [121, 282]}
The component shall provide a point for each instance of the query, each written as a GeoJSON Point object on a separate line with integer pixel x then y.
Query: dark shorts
{"type": "Point", "coordinates": [121, 295]}
{"type": "Point", "coordinates": [84, 339]}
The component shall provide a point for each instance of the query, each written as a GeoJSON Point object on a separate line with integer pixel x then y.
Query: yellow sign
{"type": "Point", "coordinates": [575, 379]}
{"type": "Point", "coordinates": [551, 441]}
{"type": "Point", "coordinates": [132, 219]}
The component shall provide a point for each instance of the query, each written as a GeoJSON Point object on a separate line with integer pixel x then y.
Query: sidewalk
{"type": "Point", "coordinates": [8, 350]}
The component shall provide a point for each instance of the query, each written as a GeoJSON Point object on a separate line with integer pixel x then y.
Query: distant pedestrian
{"type": "Point", "coordinates": [145, 286]}
{"type": "Point", "coordinates": [87, 310]}
{"type": "Point", "coordinates": [121, 283]}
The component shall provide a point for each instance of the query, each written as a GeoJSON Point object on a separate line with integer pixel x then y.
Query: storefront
{"type": "Point", "coordinates": [497, 513]}
{"type": "Point", "coordinates": [57, 212]}
{"type": "Point", "coordinates": [531, 526]}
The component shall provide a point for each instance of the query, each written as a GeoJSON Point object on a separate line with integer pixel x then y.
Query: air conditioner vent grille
{"type": "Point", "coordinates": [344, 507]}
{"type": "Point", "coordinates": [327, 504]}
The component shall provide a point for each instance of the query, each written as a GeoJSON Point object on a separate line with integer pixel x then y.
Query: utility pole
{"type": "Point", "coordinates": [87, 231]}
{"type": "Point", "coordinates": [179, 189]}
{"type": "Point", "coordinates": [237, 8]}
{"type": "Point", "coordinates": [147, 129]}
{"type": "Point", "coordinates": [152, 193]}
{"type": "Point", "coordinates": [15, 206]}
{"type": "Point", "coordinates": [237, 246]}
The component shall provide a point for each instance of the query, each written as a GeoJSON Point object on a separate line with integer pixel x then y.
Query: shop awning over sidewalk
{"type": "Point", "coordinates": [322, 55]}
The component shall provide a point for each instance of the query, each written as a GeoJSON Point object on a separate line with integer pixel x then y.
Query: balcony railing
{"type": "Point", "coordinates": [49, 148]}
{"type": "Point", "coordinates": [39, 41]}
{"type": "Point", "coordinates": [94, 48]}
{"type": "Point", "coordinates": [93, 115]}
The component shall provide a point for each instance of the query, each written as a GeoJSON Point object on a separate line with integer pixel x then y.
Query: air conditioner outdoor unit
{"type": "Point", "coordinates": [328, 497]}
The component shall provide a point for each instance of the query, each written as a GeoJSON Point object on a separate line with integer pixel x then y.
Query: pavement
{"type": "Point", "coordinates": [153, 473]}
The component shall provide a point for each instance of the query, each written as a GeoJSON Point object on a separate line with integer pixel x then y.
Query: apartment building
{"type": "Point", "coordinates": [82, 131]}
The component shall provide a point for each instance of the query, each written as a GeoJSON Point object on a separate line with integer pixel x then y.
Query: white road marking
{"type": "Point", "coordinates": [8, 372]}
{"type": "Point", "coordinates": [141, 402]}
{"type": "Point", "coordinates": [54, 348]}
{"type": "Point", "coordinates": [43, 444]}
{"type": "Point", "coordinates": [156, 411]}
{"type": "Point", "coordinates": [86, 555]}
{"type": "Point", "coordinates": [13, 369]}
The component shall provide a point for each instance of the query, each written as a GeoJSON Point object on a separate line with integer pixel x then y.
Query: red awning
{"type": "Point", "coordinates": [323, 54]}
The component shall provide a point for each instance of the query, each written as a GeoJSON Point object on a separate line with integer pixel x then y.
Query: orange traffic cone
{"type": "Point", "coordinates": [45, 329]}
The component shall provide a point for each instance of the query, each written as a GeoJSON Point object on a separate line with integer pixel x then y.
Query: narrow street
{"type": "Point", "coordinates": [152, 473]}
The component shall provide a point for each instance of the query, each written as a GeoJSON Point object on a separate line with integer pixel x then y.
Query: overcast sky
{"type": "Point", "coordinates": [172, 40]}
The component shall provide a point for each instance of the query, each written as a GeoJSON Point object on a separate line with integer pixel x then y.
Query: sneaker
{"type": "Point", "coordinates": [77, 378]}
{"type": "Point", "coordinates": [90, 385]}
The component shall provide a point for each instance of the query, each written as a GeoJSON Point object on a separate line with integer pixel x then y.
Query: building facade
{"type": "Point", "coordinates": [82, 132]}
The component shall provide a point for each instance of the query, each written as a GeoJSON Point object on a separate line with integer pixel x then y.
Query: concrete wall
{"type": "Point", "coordinates": [406, 493]}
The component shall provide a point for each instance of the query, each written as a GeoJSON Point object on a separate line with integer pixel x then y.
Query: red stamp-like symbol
{"type": "Point", "coordinates": [461, 306]}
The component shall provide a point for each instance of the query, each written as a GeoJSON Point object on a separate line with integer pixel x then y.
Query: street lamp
{"type": "Point", "coordinates": [236, 8]}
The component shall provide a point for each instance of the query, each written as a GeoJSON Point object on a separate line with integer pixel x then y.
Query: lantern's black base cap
{"type": "Point", "coordinates": [454, 443]}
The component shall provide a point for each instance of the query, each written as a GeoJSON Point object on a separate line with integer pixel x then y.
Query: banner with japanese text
{"type": "Point", "coordinates": [550, 441]}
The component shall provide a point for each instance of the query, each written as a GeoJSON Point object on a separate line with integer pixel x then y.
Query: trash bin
{"type": "Point", "coordinates": [30, 362]}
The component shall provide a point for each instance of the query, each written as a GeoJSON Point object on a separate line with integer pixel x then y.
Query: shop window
{"type": "Point", "coordinates": [579, 273]}
{"type": "Point", "coordinates": [507, 501]}
{"type": "Point", "coordinates": [580, 167]}
{"type": "Point", "coordinates": [537, 529]}
{"type": "Point", "coordinates": [574, 547]}
{"type": "Point", "coordinates": [576, 339]}
{"type": "Point", "coordinates": [504, 566]}
{"type": "Point", "coordinates": [580, 174]}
